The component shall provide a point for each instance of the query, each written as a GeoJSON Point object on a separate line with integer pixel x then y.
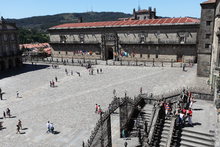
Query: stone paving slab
{"type": "Point", "coordinates": [70, 106]}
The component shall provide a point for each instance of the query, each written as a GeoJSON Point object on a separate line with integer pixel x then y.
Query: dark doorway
{"type": "Point", "coordinates": [110, 53]}
{"type": "Point", "coordinates": [179, 58]}
{"type": "Point", "coordinates": [2, 65]}
{"type": "Point", "coordinates": [10, 64]}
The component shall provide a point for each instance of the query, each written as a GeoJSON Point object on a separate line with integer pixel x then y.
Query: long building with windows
{"type": "Point", "coordinates": [161, 39]}
{"type": "Point", "coordinates": [10, 55]}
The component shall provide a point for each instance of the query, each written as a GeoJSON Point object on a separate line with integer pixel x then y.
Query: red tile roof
{"type": "Point", "coordinates": [127, 23]}
{"type": "Point", "coordinates": [209, 2]}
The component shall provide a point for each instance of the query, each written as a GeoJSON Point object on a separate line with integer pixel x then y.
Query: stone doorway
{"type": "Point", "coordinates": [109, 53]}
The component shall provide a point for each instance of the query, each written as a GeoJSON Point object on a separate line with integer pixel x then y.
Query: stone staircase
{"type": "Point", "coordinates": [145, 116]}
{"type": "Point", "coordinates": [166, 132]}
{"type": "Point", "coordinates": [191, 138]}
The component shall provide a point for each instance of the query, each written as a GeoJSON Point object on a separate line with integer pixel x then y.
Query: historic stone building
{"type": "Point", "coordinates": [163, 39]}
{"type": "Point", "coordinates": [10, 55]}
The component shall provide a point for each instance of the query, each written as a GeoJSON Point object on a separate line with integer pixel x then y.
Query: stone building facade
{"type": "Point", "coordinates": [10, 55]}
{"type": "Point", "coordinates": [206, 38]}
{"type": "Point", "coordinates": [162, 39]}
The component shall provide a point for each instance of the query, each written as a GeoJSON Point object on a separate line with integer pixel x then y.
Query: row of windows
{"type": "Point", "coordinates": [7, 37]}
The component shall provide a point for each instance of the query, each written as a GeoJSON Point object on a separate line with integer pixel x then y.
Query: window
{"type": "Point", "coordinates": [207, 36]}
{"type": "Point", "coordinates": [66, 53]}
{"type": "Point", "coordinates": [81, 38]}
{"type": "Point", "coordinates": [182, 40]}
{"type": "Point", "coordinates": [207, 45]}
{"type": "Point", "coordinates": [208, 23]}
{"type": "Point", "coordinates": [5, 37]}
{"type": "Point", "coordinates": [148, 55]}
{"type": "Point", "coordinates": [62, 39]}
{"type": "Point", "coordinates": [145, 17]}
{"type": "Point", "coordinates": [140, 55]}
{"type": "Point", "coordinates": [12, 37]}
{"type": "Point", "coordinates": [142, 39]}
{"type": "Point", "coordinates": [156, 55]}
{"type": "Point", "coordinates": [59, 52]}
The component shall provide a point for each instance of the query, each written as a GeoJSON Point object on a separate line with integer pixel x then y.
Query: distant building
{"type": "Point", "coordinates": [36, 49]}
{"type": "Point", "coordinates": [10, 55]}
{"type": "Point", "coordinates": [142, 15]}
{"type": "Point", "coordinates": [163, 39]}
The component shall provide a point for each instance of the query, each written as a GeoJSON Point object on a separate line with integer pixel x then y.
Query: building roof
{"type": "Point", "coordinates": [184, 20]}
{"type": "Point", "coordinates": [209, 2]}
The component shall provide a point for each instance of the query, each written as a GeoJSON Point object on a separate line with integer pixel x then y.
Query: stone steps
{"type": "Point", "coordinates": [196, 139]}
{"type": "Point", "coordinates": [165, 133]}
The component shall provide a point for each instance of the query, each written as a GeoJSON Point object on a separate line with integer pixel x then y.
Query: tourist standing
{"type": "Point", "coordinates": [96, 108]}
{"type": "Point", "coordinates": [17, 94]}
{"type": "Point", "coordinates": [189, 114]}
{"type": "Point", "coordinates": [48, 127]}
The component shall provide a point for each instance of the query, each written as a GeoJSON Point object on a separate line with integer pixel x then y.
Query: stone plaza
{"type": "Point", "coordinates": [70, 105]}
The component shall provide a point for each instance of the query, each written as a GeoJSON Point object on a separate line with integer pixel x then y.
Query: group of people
{"type": "Point", "coordinates": [98, 109]}
{"type": "Point", "coordinates": [91, 71]}
{"type": "Point", "coordinates": [71, 72]}
{"type": "Point", "coordinates": [50, 127]}
{"type": "Point", "coordinates": [55, 66]}
{"type": "Point", "coordinates": [183, 109]}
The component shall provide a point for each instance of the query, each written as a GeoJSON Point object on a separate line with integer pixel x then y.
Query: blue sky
{"type": "Point", "coordinates": [29, 8]}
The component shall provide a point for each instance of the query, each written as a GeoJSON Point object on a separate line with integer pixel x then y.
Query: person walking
{"type": "Point", "coordinates": [19, 124]}
{"type": "Point", "coordinates": [8, 112]}
{"type": "Point", "coordinates": [18, 129]}
{"type": "Point", "coordinates": [56, 78]}
{"type": "Point", "coordinates": [114, 92]}
{"type": "Point", "coordinates": [4, 115]}
{"type": "Point", "coordinates": [97, 71]}
{"type": "Point", "coordinates": [141, 90]}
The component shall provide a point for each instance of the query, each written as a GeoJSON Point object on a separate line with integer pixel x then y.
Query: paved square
{"type": "Point", "coordinates": [70, 105]}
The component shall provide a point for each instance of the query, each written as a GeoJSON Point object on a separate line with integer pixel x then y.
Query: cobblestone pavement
{"type": "Point", "coordinates": [70, 105]}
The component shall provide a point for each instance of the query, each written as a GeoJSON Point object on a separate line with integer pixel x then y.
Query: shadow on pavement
{"type": "Point", "coordinates": [24, 69]}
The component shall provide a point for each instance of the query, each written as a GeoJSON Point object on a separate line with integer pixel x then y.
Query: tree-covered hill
{"type": "Point", "coordinates": [42, 23]}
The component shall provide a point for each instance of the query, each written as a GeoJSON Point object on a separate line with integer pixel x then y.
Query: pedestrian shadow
{"type": "Point", "coordinates": [197, 109]}
{"type": "Point", "coordinates": [22, 133]}
{"type": "Point", "coordinates": [2, 128]}
{"type": "Point", "coordinates": [56, 132]}
{"type": "Point", "coordinates": [24, 128]}
{"type": "Point", "coordinates": [20, 70]}
{"type": "Point", "coordinates": [196, 124]}
{"type": "Point", "coordinates": [12, 117]}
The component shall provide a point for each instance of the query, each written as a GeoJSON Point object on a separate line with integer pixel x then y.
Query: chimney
{"type": "Point", "coordinates": [149, 9]}
{"type": "Point", "coordinates": [80, 19]}
{"type": "Point", "coordinates": [134, 11]}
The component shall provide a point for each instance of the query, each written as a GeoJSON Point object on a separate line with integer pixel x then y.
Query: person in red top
{"type": "Point", "coordinates": [189, 114]}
